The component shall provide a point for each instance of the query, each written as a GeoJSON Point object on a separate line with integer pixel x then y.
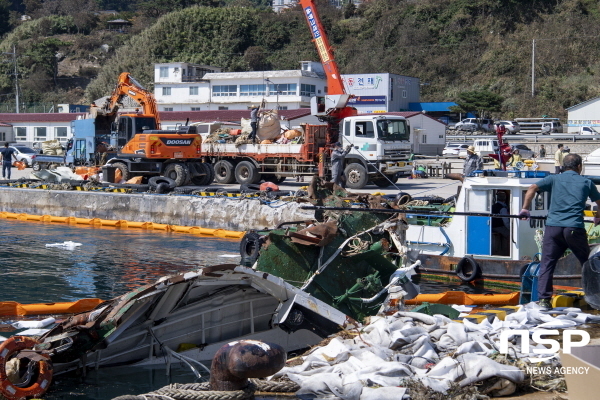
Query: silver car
{"type": "Point", "coordinates": [512, 127]}
{"type": "Point", "coordinates": [24, 154]}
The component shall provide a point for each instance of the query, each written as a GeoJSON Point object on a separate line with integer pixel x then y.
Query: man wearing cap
{"type": "Point", "coordinates": [253, 122]}
{"type": "Point", "coordinates": [338, 154]}
{"type": "Point", "coordinates": [472, 163]}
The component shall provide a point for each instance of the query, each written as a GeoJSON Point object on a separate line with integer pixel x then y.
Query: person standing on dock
{"type": "Point", "coordinates": [338, 155]}
{"type": "Point", "coordinates": [564, 225]}
{"type": "Point", "coordinates": [472, 163]}
{"type": "Point", "coordinates": [542, 151]}
{"type": "Point", "coordinates": [558, 159]}
{"type": "Point", "coordinates": [7, 154]}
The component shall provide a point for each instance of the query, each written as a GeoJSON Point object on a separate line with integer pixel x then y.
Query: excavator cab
{"type": "Point", "coordinates": [127, 126]}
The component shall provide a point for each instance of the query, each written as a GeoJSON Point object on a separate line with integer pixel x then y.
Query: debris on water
{"type": "Point", "coordinates": [69, 245]}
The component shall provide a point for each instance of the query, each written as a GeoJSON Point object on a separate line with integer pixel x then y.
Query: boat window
{"type": "Point", "coordinates": [538, 201]}
{"type": "Point", "coordinates": [501, 227]}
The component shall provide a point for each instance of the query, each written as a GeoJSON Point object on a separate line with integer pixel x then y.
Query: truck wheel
{"type": "Point", "coordinates": [356, 176]}
{"type": "Point", "coordinates": [122, 167]}
{"type": "Point", "coordinates": [177, 172]}
{"type": "Point", "coordinates": [224, 172]}
{"type": "Point", "coordinates": [207, 178]}
{"type": "Point", "coordinates": [246, 173]}
{"type": "Point", "coordinates": [36, 166]}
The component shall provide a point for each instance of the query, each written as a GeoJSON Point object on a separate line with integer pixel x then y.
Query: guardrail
{"type": "Point", "coordinates": [531, 137]}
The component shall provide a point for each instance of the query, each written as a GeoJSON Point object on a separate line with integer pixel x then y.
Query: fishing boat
{"type": "Point", "coordinates": [456, 239]}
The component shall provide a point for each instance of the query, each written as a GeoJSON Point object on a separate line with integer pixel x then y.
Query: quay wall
{"type": "Point", "coordinates": [216, 213]}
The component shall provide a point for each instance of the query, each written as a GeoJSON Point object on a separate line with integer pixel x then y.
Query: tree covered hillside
{"type": "Point", "coordinates": [453, 46]}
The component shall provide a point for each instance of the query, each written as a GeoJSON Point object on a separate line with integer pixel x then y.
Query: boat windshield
{"type": "Point", "coordinates": [393, 130]}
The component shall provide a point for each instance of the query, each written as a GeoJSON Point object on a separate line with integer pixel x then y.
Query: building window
{"type": "Point", "coordinates": [223, 108]}
{"type": "Point", "coordinates": [193, 90]}
{"type": "Point", "coordinates": [164, 72]}
{"type": "Point", "coordinates": [424, 139]}
{"type": "Point", "coordinates": [21, 134]}
{"type": "Point", "coordinates": [166, 91]}
{"type": "Point", "coordinates": [224, 90]}
{"type": "Point", "coordinates": [195, 109]}
{"type": "Point", "coordinates": [284, 89]}
{"type": "Point", "coordinates": [40, 133]}
{"type": "Point", "coordinates": [404, 94]}
{"type": "Point", "coordinates": [307, 90]}
{"type": "Point", "coordinates": [253, 90]}
{"type": "Point", "coordinates": [60, 133]}
{"type": "Point", "coordinates": [168, 109]}
{"type": "Point", "coordinates": [282, 108]}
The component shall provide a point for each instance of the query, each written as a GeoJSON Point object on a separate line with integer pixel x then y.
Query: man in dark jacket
{"type": "Point", "coordinates": [253, 122]}
{"type": "Point", "coordinates": [338, 155]}
{"type": "Point", "coordinates": [7, 154]}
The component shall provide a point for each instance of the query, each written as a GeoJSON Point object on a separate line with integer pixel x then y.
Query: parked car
{"type": "Point", "coordinates": [588, 130]}
{"type": "Point", "coordinates": [24, 154]}
{"type": "Point", "coordinates": [525, 151]}
{"type": "Point", "coordinates": [512, 127]}
{"type": "Point", "coordinates": [473, 124]}
{"type": "Point", "coordinates": [453, 149]}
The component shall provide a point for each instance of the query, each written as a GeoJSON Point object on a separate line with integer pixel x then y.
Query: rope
{"type": "Point", "coordinates": [201, 391]}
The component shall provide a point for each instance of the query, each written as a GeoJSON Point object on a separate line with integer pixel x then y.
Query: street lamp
{"type": "Point", "coordinates": [277, 91]}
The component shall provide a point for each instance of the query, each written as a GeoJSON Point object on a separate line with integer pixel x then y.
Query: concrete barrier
{"type": "Point", "coordinates": [214, 213]}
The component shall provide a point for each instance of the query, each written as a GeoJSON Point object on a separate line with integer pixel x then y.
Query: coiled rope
{"type": "Point", "coordinates": [201, 391]}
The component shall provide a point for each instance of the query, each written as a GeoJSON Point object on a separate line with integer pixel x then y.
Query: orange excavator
{"type": "Point", "coordinates": [140, 146]}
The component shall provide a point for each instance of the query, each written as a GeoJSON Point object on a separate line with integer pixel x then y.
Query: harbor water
{"type": "Point", "coordinates": [109, 262]}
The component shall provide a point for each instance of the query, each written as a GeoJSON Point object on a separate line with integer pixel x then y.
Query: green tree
{"type": "Point", "coordinates": [483, 102]}
{"type": "Point", "coordinates": [4, 16]}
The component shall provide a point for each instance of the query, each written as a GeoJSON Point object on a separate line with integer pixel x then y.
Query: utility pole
{"type": "Point", "coordinates": [533, 68]}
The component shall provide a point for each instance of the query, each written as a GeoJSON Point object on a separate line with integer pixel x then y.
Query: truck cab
{"type": "Point", "coordinates": [381, 149]}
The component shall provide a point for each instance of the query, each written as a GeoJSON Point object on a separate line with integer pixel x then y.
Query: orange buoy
{"type": "Point", "coordinates": [14, 345]}
{"type": "Point", "coordinates": [467, 299]}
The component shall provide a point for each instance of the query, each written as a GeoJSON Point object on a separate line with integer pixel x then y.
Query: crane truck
{"type": "Point", "coordinates": [381, 144]}
{"type": "Point", "coordinates": [140, 146]}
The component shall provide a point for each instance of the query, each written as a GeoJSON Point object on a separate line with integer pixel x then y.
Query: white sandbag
{"type": "Point", "coordinates": [325, 385]}
{"type": "Point", "coordinates": [474, 347]}
{"type": "Point", "coordinates": [382, 393]}
{"type": "Point", "coordinates": [33, 324]}
{"type": "Point", "coordinates": [269, 127]}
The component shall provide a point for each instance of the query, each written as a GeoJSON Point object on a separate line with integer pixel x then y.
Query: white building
{"type": "Point", "coordinates": [6, 133]}
{"type": "Point", "coordinates": [190, 87]}
{"type": "Point", "coordinates": [214, 90]}
{"type": "Point", "coordinates": [584, 114]}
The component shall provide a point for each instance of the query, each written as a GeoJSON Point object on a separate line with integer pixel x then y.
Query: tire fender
{"type": "Point", "coordinates": [467, 269]}
{"type": "Point", "coordinates": [250, 247]}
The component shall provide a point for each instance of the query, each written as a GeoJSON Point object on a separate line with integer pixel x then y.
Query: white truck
{"type": "Point", "coordinates": [588, 130]}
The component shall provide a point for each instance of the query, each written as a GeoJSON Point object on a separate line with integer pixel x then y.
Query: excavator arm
{"type": "Point", "coordinates": [128, 86]}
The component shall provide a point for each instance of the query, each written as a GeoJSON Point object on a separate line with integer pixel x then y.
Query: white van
{"type": "Point", "coordinates": [483, 147]}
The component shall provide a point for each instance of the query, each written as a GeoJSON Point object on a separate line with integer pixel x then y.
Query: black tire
{"type": "Point", "coordinates": [250, 248]}
{"type": "Point", "coordinates": [467, 269]}
{"type": "Point", "coordinates": [246, 173]}
{"type": "Point", "coordinates": [402, 198]}
{"type": "Point", "coordinates": [162, 188]}
{"type": "Point", "coordinates": [207, 178]}
{"type": "Point", "coordinates": [178, 172]}
{"type": "Point", "coordinates": [125, 175]}
{"type": "Point", "coordinates": [356, 176]}
{"type": "Point", "coordinates": [156, 180]}
{"type": "Point", "coordinates": [36, 166]}
{"type": "Point", "coordinates": [224, 172]}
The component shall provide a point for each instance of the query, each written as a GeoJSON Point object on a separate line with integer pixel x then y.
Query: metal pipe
{"type": "Point", "coordinates": [416, 212]}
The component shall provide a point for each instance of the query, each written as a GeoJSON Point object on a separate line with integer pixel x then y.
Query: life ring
{"type": "Point", "coordinates": [14, 345]}
{"type": "Point", "coordinates": [250, 247]}
{"type": "Point", "coordinates": [467, 269]}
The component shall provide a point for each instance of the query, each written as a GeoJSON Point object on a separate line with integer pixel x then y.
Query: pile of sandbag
{"type": "Point", "coordinates": [52, 148]}
{"type": "Point", "coordinates": [269, 127]}
{"type": "Point", "coordinates": [434, 351]}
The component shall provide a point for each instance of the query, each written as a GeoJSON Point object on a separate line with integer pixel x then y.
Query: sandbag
{"type": "Point", "coordinates": [50, 147]}
{"type": "Point", "coordinates": [292, 134]}
{"type": "Point", "coordinates": [269, 126]}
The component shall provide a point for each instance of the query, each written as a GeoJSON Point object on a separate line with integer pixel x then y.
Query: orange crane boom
{"type": "Point", "coordinates": [334, 79]}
